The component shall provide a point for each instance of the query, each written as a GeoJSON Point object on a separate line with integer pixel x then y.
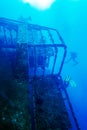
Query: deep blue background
{"type": "Point", "coordinates": [70, 18]}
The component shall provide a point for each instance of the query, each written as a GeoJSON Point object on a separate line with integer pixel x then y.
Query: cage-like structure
{"type": "Point", "coordinates": [46, 47]}
{"type": "Point", "coordinates": [35, 56]}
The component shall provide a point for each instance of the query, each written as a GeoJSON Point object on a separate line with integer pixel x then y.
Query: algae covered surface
{"type": "Point", "coordinates": [14, 93]}
{"type": "Point", "coordinates": [50, 110]}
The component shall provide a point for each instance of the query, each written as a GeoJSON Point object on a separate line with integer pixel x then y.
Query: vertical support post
{"type": "Point", "coordinates": [22, 67]}
{"type": "Point", "coordinates": [56, 49]}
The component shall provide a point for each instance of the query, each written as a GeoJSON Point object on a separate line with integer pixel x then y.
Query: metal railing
{"type": "Point", "coordinates": [43, 45]}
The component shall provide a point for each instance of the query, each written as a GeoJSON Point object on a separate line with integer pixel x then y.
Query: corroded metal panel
{"type": "Point", "coordinates": [50, 110]}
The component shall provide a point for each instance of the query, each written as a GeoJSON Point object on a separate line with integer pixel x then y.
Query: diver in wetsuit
{"type": "Point", "coordinates": [73, 57]}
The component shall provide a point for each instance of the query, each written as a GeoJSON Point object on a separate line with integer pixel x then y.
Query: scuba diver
{"type": "Point", "coordinates": [73, 57]}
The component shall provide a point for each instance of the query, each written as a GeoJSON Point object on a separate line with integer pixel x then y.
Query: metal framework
{"type": "Point", "coordinates": [43, 50]}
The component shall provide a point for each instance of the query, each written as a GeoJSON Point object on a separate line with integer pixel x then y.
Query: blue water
{"type": "Point", "coordinates": [70, 18]}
